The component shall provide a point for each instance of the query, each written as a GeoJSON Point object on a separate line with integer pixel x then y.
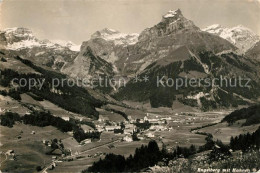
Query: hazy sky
{"type": "Point", "coordinates": [76, 20]}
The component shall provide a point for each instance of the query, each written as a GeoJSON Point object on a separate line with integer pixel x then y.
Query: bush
{"type": "Point", "coordinates": [3, 59]}
{"type": "Point", "coordinates": [9, 119]}
{"type": "Point", "coordinates": [38, 168]}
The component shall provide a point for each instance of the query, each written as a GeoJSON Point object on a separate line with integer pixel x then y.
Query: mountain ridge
{"type": "Point", "coordinates": [240, 36]}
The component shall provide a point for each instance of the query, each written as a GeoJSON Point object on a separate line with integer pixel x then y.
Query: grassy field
{"type": "Point", "coordinates": [29, 149]}
{"type": "Point", "coordinates": [134, 113]}
{"type": "Point", "coordinates": [16, 65]}
{"type": "Point", "coordinates": [112, 116]}
{"type": "Point", "coordinates": [25, 98]}
{"type": "Point", "coordinates": [8, 103]}
{"type": "Point", "coordinates": [224, 132]}
{"type": "Point", "coordinates": [122, 148]}
{"type": "Point", "coordinates": [181, 135]}
{"type": "Point", "coordinates": [75, 166]}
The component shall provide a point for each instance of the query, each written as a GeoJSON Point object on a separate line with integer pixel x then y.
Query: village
{"type": "Point", "coordinates": [115, 136]}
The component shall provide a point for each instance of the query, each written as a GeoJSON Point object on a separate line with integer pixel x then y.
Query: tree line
{"type": "Point", "coordinates": [43, 119]}
{"type": "Point", "coordinates": [250, 114]}
{"type": "Point", "coordinates": [71, 98]}
{"type": "Point", "coordinates": [147, 156]}
{"type": "Point", "coordinates": [246, 141]}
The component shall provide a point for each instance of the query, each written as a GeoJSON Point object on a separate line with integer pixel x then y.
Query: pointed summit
{"type": "Point", "coordinates": [172, 22]}
{"type": "Point", "coordinates": [172, 13]}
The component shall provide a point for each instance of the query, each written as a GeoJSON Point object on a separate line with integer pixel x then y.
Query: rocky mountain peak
{"type": "Point", "coordinates": [173, 14]}
{"type": "Point", "coordinates": [115, 37]}
{"type": "Point", "coordinates": [13, 35]}
{"type": "Point", "coordinates": [106, 32]}
{"type": "Point", "coordinates": [172, 22]}
{"type": "Point", "coordinates": [22, 38]}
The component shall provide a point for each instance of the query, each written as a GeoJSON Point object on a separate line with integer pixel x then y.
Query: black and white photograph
{"type": "Point", "coordinates": [163, 86]}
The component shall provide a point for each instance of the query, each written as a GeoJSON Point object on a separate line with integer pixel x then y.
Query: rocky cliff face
{"type": "Point", "coordinates": [87, 65]}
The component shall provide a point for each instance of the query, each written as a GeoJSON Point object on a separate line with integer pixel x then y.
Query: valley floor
{"type": "Point", "coordinates": [30, 150]}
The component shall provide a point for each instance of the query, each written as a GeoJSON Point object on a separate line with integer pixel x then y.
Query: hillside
{"type": "Point", "coordinates": [251, 115]}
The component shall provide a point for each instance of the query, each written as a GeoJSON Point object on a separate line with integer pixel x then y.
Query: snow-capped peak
{"type": "Point", "coordinates": [16, 34]}
{"type": "Point", "coordinates": [116, 37]}
{"type": "Point", "coordinates": [72, 46]}
{"type": "Point", "coordinates": [240, 36]}
{"type": "Point", "coordinates": [215, 28]}
{"type": "Point", "coordinates": [18, 38]}
{"type": "Point", "coordinates": [172, 13]}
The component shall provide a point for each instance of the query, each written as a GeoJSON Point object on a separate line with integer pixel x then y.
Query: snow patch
{"type": "Point", "coordinates": [116, 37]}
{"type": "Point", "coordinates": [240, 36]}
{"type": "Point", "coordinates": [170, 13]}
{"type": "Point", "coordinates": [22, 38]}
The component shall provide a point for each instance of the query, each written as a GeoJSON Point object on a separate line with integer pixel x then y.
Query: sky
{"type": "Point", "coordinates": [76, 20]}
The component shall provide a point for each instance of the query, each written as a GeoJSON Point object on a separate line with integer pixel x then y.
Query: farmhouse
{"type": "Point", "coordinates": [86, 141]}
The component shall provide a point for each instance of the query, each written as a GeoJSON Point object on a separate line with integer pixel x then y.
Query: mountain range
{"type": "Point", "coordinates": [240, 36]}
{"type": "Point", "coordinates": [173, 48]}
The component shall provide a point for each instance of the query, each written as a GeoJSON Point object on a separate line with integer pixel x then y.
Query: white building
{"type": "Point", "coordinates": [141, 120]}
{"type": "Point", "coordinates": [66, 118]}
{"type": "Point", "coordinates": [166, 118]}
{"type": "Point", "coordinates": [158, 128]}
{"type": "Point", "coordinates": [112, 128]}
{"type": "Point", "coordinates": [2, 110]}
{"type": "Point", "coordinates": [86, 141]}
{"type": "Point", "coordinates": [150, 135]}
{"type": "Point", "coordinates": [100, 129]}
{"type": "Point", "coordinates": [128, 138]}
